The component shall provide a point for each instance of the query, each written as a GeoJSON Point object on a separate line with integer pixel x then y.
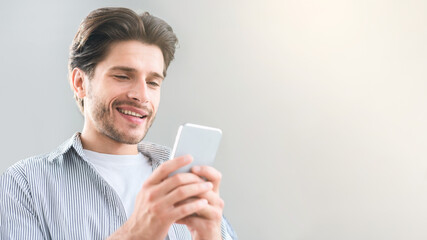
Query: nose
{"type": "Point", "coordinates": [138, 92]}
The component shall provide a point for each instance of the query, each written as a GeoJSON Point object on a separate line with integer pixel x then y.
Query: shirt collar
{"type": "Point", "coordinates": [63, 148]}
{"type": "Point", "coordinates": [156, 153]}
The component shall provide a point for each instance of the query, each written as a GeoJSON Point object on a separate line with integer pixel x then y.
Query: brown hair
{"type": "Point", "coordinates": [104, 26]}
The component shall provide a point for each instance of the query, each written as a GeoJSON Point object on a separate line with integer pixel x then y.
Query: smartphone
{"type": "Point", "coordinates": [200, 142]}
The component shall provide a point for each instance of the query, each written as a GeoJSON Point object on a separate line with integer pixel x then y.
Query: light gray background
{"type": "Point", "coordinates": [322, 105]}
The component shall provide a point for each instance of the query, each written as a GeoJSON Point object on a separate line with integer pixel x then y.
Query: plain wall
{"type": "Point", "coordinates": [322, 105]}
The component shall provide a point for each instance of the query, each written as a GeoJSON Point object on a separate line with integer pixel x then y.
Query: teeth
{"type": "Point", "coordinates": [127, 112]}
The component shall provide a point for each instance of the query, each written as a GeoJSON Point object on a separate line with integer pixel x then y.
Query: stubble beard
{"type": "Point", "coordinates": [102, 116]}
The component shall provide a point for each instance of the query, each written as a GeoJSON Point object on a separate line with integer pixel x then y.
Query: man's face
{"type": "Point", "coordinates": [124, 94]}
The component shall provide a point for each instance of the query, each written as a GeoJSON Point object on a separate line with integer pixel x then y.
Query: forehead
{"type": "Point", "coordinates": [133, 54]}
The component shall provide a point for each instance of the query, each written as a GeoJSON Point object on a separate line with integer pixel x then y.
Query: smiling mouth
{"type": "Point", "coordinates": [130, 113]}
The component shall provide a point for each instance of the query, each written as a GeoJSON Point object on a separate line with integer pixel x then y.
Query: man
{"type": "Point", "coordinates": [104, 182]}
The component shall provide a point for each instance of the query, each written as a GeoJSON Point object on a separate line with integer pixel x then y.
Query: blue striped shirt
{"type": "Point", "coordinates": [59, 195]}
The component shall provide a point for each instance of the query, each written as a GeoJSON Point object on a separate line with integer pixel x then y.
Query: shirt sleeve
{"type": "Point", "coordinates": [18, 219]}
{"type": "Point", "coordinates": [227, 231]}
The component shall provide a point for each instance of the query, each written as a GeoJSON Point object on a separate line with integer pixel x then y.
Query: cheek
{"type": "Point", "coordinates": [110, 104]}
{"type": "Point", "coordinates": [155, 100]}
{"type": "Point", "coordinates": [111, 96]}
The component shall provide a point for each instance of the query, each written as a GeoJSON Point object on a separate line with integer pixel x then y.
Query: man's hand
{"type": "Point", "coordinates": [163, 201]}
{"type": "Point", "coordinates": [206, 222]}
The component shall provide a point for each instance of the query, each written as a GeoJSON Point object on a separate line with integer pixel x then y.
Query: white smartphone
{"type": "Point", "coordinates": [200, 142]}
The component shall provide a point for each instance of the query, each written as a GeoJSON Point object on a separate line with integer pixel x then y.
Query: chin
{"type": "Point", "coordinates": [125, 137]}
{"type": "Point", "coordinates": [132, 139]}
{"type": "Point", "coordinates": [129, 140]}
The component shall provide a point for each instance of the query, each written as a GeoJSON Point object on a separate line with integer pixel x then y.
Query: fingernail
{"type": "Point", "coordinates": [196, 169]}
{"type": "Point", "coordinates": [203, 202]}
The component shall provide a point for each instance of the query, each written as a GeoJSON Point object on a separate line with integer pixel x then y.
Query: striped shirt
{"type": "Point", "coordinates": [60, 195]}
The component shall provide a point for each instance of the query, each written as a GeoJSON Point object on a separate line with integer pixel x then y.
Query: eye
{"type": "Point", "coordinates": [153, 83]}
{"type": "Point", "coordinates": [122, 77]}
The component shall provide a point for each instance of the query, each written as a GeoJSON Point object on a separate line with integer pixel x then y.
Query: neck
{"type": "Point", "coordinates": [98, 142]}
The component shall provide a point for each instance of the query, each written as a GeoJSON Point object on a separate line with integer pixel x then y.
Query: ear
{"type": "Point", "coordinates": [78, 83]}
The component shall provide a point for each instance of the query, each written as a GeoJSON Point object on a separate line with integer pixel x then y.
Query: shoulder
{"type": "Point", "coordinates": [19, 169]}
{"type": "Point", "coordinates": [23, 176]}
{"type": "Point", "coordinates": [16, 181]}
{"type": "Point", "coordinates": [35, 165]}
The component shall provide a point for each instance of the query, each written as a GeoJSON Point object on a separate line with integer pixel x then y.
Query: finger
{"type": "Point", "coordinates": [207, 212]}
{"type": "Point", "coordinates": [188, 209]}
{"type": "Point", "coordinates": [169, 184]}
{"type": "Point", "coordinates": [177, 180]}
{"type": "Point", "coordinates": [209, 173]}
{"type": "Point", "coordinates": [188, 200]}
{"type": "Point", "coordinates": [167, 167]}
{"type": "Point", "coordinates": [213, 199]}
{"type": "Point", "coordinates": [210, 212]}
{"type": "Point", "coordinates": [187, 191]}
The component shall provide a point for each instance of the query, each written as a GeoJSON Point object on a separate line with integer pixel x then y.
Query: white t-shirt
{"type": "Point", "coordinates": [125, 174]}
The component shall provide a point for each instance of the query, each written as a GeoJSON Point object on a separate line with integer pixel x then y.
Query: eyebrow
{"type": "Point", "coordinates": [132, 70]}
